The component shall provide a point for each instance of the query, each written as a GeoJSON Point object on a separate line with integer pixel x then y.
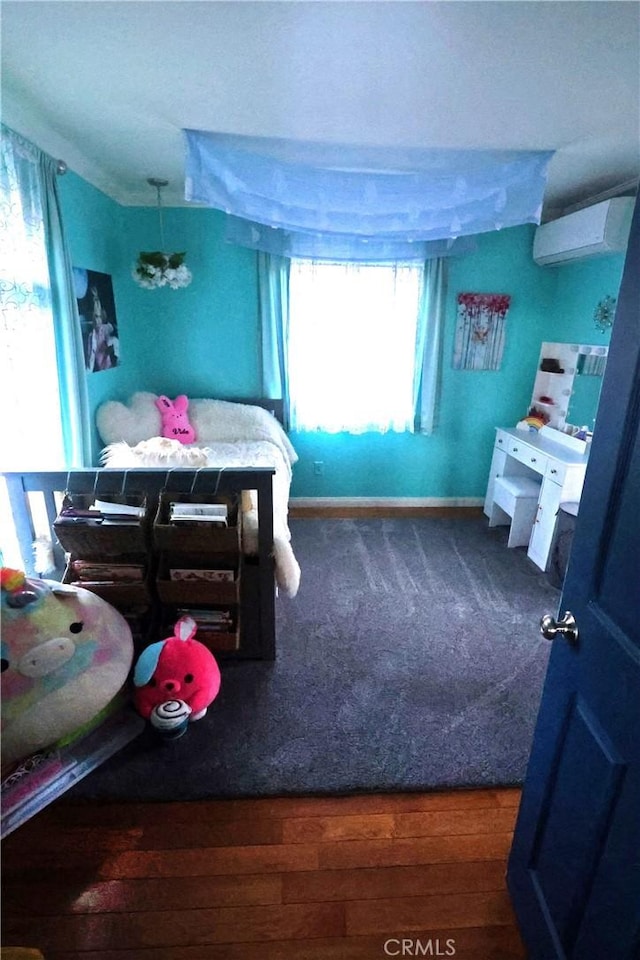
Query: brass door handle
{"type": "Point", "coordinates": [567, 627]}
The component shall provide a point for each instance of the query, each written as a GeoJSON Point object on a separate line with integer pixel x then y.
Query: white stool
{"type": "Point", "coordinates": [515, 501]}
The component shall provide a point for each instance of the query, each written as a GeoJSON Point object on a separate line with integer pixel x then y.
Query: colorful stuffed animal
{"type": "Point", "coordinates": [175, 423]}
{"type": "Point", "coordinates": [178, 668]}
{"type": "Point", "coordinates": [66, 653]}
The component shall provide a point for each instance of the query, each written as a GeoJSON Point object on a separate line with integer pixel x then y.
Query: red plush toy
{"type": "Point", "coordinates": [175, 680]}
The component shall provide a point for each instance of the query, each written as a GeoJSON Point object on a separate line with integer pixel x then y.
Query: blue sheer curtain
{"type": "Point", "coordinates": [346, 249]}
{"type": "Point", "coordinates": [273, 302]}
{"type": "Point", "coordinates": [426, 383]}
{"type": "Point", "coordinates": [43, 364]}
{"type": "Point", "coordinates": [350, 202]}
{"type": "Point", "coordinates": [273, 284]}
{"type": "Point", "coordinates": [70, 349]}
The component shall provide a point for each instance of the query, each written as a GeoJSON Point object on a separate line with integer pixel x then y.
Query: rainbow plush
{"type": "Point", "coordinates": [532, 422]}
{"type": "Point", "coordinates": [66, 653]}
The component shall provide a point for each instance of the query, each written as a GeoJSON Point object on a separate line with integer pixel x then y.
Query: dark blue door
{"type": "Point", "coordinates": [574, 869]}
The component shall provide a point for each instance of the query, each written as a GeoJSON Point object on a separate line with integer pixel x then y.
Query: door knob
{"type": "Point", "coordinates": [567, 627]}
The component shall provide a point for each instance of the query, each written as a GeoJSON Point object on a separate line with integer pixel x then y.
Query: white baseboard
{"type": "Point", "coordinates": [390, 502]}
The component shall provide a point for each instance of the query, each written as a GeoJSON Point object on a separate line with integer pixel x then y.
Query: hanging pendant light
{"type": "Point", "coordinates": [156, 268]}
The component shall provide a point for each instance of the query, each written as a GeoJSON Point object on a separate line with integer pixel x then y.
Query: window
{"type": "Point", "coordinates": [29, 391]}
{"type": "Point", "coordinates": [352, 345]}
{"type": "Point", "coordinates": [29, 382]}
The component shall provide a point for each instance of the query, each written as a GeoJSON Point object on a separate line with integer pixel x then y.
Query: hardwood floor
{"type": "Point", "coordinates": [270, 879]}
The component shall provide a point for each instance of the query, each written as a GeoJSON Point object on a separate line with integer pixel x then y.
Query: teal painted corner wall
{"type": "Point", "coordinates": [577, 289]}
{"type": "Point", "coordinates": [203, 341]}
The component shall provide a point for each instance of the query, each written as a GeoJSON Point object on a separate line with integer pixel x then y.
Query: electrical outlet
{"type": "Point", "coordinates": [318, 467]}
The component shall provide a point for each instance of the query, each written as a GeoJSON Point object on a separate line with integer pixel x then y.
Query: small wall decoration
{"type": "Point", "coordinates": [97, 311]}
{"type": "Point", "coordinates": [604, 314]}
{"type": "Point", "coordinates": [480, 331]}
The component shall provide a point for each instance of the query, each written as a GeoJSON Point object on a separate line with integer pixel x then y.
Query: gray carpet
{"type": "Point", "coordinates": [410, 660]}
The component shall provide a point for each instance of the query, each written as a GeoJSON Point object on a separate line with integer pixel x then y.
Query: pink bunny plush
{"type": "Point", "coordinates": [175, 423]}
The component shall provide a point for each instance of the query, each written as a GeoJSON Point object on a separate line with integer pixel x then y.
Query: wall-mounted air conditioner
{"type": "Point", "coordinates": [591, 232]}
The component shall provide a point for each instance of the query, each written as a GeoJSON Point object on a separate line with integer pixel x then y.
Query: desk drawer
{"type": "Point", "coordinates": [569, 476]}
{"type": "Point", "coordinates": [531, 457]}
{"type": "Point", "coordinates": [556, 471]}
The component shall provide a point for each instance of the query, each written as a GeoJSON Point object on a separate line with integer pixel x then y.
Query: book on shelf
{"type": "Point", "coordinates": [198, 509]}
{"type": "Point", "coordinates": [88, 584]}
{"type": "Point", "coordinates": [198, 521]}
{"type": "Point", "coordinates": [88, 571]}
{"type": "Point", "coordinates": [86, 518]}
{"type": "Point", "coordinates": [100, 512]}
{"type": "Point", "coordinates": [211, 576]}
{"type": "Point", "coordinates": [206, 615]}
{"type": "Point", "coordinates": [215, 513]}
{"type": "Point", "coordinates": [107, 508]}
{"type": "Point", "coordinates": [118, 519]}
{"type": "Point", "coordinates": [222, 627]}
{"type": "Point", "coordinates": [210, 620]}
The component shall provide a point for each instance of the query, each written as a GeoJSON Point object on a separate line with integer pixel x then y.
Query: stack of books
{"type": "Point", "coordinates": [215, 513]}
{"type": "Point", "coordinates": [89, 572]}
{"type": "Point", "coordinates": [101, 512]}
{"type": "Point", "coordinates": [210, 621]}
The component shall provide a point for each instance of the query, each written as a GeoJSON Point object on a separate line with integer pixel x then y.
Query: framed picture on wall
{"type": "Point", "coordinates": [98, 321]}
{"type": "Point", "coordinates": [480, 331]}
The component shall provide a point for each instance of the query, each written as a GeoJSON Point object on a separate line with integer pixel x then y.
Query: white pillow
{"type": "Point", "coordinates": [137, 420]}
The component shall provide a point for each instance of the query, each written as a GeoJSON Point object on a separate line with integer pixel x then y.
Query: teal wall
{"type": "Point", "coordinates": [577, 289]}
{"type": "Point", "coordinates": [203, 341]}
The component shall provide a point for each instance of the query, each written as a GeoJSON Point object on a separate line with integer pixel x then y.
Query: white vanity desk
{"type": "Point", "coordinates": [547, 455]}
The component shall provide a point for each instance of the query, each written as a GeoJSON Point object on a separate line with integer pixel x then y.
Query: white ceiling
{"type": "Point", "coordinates": [108, 86]}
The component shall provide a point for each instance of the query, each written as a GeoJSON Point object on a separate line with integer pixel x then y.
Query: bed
{"type": "Point", "coordinates": [229, 435]}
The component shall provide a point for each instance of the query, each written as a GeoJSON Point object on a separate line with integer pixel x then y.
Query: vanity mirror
{"type": "Point", "coordinates": [587, 383]}
{"type": "Point", "coordinates": [567, 386]}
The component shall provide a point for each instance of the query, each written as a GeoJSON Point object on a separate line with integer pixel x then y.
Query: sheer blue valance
{"type": "Point", "coordinates": [349, 248]}
{"type": "Point", "coordinates": [347, 194]}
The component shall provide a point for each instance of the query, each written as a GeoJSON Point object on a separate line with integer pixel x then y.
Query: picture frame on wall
{"type": "Point", "coordinates": [98, 320]}
{"type": "Point", "coordinates": [480, 330]}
